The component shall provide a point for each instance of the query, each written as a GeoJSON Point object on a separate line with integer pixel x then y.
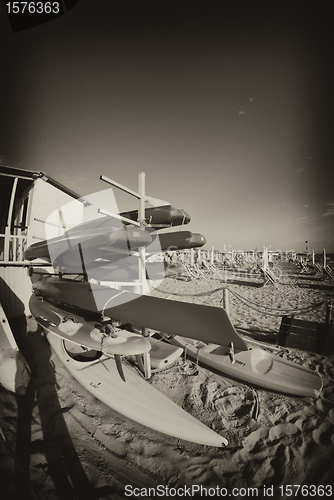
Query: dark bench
{"type": "Point", "coordinates": [306, 335]}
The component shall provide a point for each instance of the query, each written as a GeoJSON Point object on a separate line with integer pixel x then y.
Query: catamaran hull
{"type": "Point", "coordinates": [85, 331]}
{"type": "Point", "coordinates": [114, 243]}
{"type": "Point", "coordinates": [255, 366]}
{"type": "Point", "coordinates": [135, 398]}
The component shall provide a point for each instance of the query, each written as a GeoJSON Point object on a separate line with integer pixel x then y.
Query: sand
{"type": "Point", "coordinates": [66, 444]}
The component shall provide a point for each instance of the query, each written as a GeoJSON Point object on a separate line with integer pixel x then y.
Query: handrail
{"type": "Point", "coordinates": [14, 236]}
{"type": "Point", "coordinates": [24, 263]}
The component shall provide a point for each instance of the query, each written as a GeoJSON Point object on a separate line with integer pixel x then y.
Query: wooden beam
{"type": "Point", "coordinates": [117, 216]}
{"type": "Point", "coordinates": [119, 186]}
{"type": "Point", "coordinates": [156, 202]}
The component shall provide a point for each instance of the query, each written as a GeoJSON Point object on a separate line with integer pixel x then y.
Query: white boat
{"type": "Point", "coordinates": [28, 198]}
{"type": "Point", "coordinates": [136, 398]}
{"type": "Point", "coordinates": [255, 366]}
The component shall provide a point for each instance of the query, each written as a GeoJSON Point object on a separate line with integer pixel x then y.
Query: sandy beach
{"type": "Point", "coordinates": [194, 134]}
{"type": "Point", "coordinates": [58, 442]}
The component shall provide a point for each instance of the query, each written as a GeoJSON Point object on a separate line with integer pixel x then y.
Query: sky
{"type": "Point", "coordinates": [227, 106]}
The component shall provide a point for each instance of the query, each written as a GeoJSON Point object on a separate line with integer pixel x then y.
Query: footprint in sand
{"type": "Point", "coordinates": [308, 424]}
{"type": "Point", "coordinates": [236, 405]}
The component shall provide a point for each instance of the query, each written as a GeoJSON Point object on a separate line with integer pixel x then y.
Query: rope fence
{"type": "Point", "coordinates": [259, 307]}
{"type": "Point", "coordinates": [265, 310]}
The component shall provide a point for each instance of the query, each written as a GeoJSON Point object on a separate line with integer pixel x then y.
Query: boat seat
{"type": "Point", "coordinates": [162, 354]}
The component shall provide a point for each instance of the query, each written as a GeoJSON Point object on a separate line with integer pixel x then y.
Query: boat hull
{"type": "Point", "coordinates": [165, 215]}
{"type": "Point", "coordinates": [257, 367]}
{"type": "Point", "coordinates": [180, 240]}
{"type": "Point", "coordinates": [114, 243]}
{"type": "Point", "coordinates": [206, 323]}
{"type": "Point", "coordinates": [135, 398]}
{"type": "Point", "coordinates": [84, 331]}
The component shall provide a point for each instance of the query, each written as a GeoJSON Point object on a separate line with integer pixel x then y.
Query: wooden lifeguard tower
{"type": "Point", "coordinates": [27, 198]}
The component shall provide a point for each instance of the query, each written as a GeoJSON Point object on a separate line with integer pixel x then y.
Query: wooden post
{"type": "Point", "coordinates": [212, 255]}
{"type": "Point", "coordinates": [226, 301]}
{"type": "Point", "coordinates": [147, 357]}
{"type": "Point", "coordinates": [324, 258]}
{"type": "Point", "coordinates": [141, 250]}
{"type": "Point", "coordinates": [313, 257]}
{"type": "Point", "coordinates": [264, 259]}
{"type": "Point", "coordinates": [142, 266]}
{"type": "Point", "coordinates": [192, 257]}
{"type": "Point", "coordinates": [327, 348]}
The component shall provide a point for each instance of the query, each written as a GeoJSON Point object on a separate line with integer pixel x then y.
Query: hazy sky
{"type": "Point", "coordinates": [228, 111]}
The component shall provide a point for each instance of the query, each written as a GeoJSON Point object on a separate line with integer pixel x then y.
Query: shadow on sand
{"type": "Point", "coordinates": [63, 464]}
{"type": "Point", "coordinates": [255, 284]}
{"type": "Point", "coordinates": [317, 286]}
